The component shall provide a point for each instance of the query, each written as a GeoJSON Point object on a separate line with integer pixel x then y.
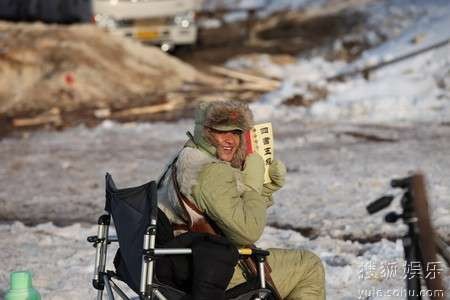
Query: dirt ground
{"type": "Point", "coordinates": [68, 74]}
{"type": "Point", "coordinates": [65, 73]}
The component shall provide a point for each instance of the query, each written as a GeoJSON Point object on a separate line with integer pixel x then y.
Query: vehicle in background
{"type": "Point", "coordinates": [48, 11]}
{"type": "Point", "coordinates": [168, 23]}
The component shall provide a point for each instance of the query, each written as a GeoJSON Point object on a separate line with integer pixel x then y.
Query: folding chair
{"type": "Point", "coordinates": [135, 214]}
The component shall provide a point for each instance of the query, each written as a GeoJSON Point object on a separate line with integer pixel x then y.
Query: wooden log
{"type": "Point", "coordinates": [150, 109]}
{"type": "Point", "coordinates": [426, 238]}
{"type": "Point", "coordinates": [53, 116]}
{"type": "Point", "coordinates": [102, 113]}
{"type": "Point", "coordinates": [365, 71]}
{"type": "Point", "coordinates": [257, 87]}
{"type": "Point", "coordinates": [244, 76]}
{"type": "Point", "coordinates": [442, 248]}
{"type": "Point", "coordinates": [232, 87]}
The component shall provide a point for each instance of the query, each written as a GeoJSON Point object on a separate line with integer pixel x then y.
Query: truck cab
{"type": "Point", "coordinates": [167, 23]}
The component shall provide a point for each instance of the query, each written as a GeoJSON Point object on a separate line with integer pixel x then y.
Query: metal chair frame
{"type": "Point", "coordinates": [150, 290]}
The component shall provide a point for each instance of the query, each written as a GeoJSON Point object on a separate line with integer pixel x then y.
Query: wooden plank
{"type": "Point", "coordinates": [150, 109]}
{"type": "Point", "coordinates": [442, 248]}
{"type": "Point", "coordinates": [53, 116]}
{"type": "Point", "coordinates": [426, 237]}
{"type": "Point", "coordinates": [366, 70]}
{"type": "Point", "coordinates": [245, 76]}
{"type": "Point", "coordinates": [248, 87]}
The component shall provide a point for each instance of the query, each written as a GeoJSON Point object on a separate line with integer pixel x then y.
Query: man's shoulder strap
{"type": "Point", "coordinates": [168, 167]}
{"type": "Point", "coordinates": [197, 221]}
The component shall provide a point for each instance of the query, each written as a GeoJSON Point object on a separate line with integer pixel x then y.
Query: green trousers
{"type": "Point", "coordinates": [297, 274]}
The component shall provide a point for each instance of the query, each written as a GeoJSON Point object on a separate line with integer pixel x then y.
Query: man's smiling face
{"type": "Point", "coordinates": [226, 143]}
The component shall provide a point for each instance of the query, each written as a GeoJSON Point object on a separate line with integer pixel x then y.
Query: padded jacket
{"type": "Point", "coordinates": [218, 190]}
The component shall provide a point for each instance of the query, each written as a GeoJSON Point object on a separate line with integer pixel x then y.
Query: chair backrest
{"type": "Point", "coordinates": [132, 210]}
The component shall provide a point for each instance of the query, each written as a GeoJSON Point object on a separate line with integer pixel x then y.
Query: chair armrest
{"type": "Point", "coordinates": [257, 252]}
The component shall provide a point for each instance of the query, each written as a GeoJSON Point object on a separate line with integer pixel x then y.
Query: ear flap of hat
{"type": "Point", "coordinates": [199, 136]}
{"type": "Point", "coordinates": [200, 113]}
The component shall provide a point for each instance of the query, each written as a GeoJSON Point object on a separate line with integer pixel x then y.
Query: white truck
{"type": "Point", "coordinates": [168, 23]}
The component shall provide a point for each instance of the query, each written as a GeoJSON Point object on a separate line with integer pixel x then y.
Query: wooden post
{"type": "Point", "coordinates": [426, 239]}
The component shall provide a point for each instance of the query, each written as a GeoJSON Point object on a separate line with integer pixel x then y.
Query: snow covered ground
{"type": "Point", "coordinates": [341, 153]}
{"type": "Point", "coordinates": [332, 177]}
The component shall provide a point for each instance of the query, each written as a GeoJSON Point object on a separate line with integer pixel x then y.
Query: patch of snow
{"type": "Point", "coordinates": [415, 89]}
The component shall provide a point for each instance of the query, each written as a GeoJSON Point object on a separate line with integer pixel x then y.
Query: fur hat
{"type": "Point", "coordinates": [222, 116]}
{"type": "Point", "coordinates": [225, 116]}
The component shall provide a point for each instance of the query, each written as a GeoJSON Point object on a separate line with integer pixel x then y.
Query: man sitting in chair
{"type": "Point", "coordinates": [215, 179]}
